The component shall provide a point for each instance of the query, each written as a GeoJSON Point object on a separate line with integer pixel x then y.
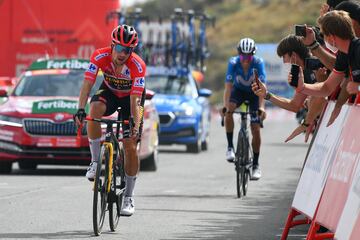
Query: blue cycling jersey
{"type": "Point", "coordinates": [236, 75]}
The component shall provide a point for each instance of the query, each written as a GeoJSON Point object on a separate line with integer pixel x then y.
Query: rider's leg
{"type": "Point", "coordinates": [97, 110]}
{"type": "Point", "coordinates": [255, 127]}
{"type": "Point", "coordinates": [256, 142]}
{"type": "Point", "coordinates": [132, 164]}
{"type": "Point", "coordinates": [229, 124]}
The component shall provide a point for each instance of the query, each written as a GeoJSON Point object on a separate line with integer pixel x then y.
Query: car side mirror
{"type": "Point", "coordinates": [149, 94]}
{"type": "Point", "coordinates": [204, 92]}
{"type": "Point", "coordinates": [3, 93]}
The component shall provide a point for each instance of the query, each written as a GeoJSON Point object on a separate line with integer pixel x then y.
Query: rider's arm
{"type": "Point", "coordinates": [229, 82]}
{"type": "Point", "coordinates": [84, 93]}
{"type": "Point", "coordinates": [136, 92]}
{"type": "Point", "coordinates": [89, 80]}
{"type": "Point", "coordinates": [134, 110]}
{"type": "Point", "coordinates": [293, 105]}
{"type": "Point", "coordinates": [227, 93]}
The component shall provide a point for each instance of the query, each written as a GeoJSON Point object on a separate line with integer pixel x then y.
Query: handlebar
{"type": "Point", "coordinates": [224, 111]}
{"type": "Point", "coordinates": [100, 120]}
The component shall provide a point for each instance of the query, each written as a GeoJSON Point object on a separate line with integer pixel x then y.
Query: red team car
{"type": "Point", "coordinates": [36, 125]}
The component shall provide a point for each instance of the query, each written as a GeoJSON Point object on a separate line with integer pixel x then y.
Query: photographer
{"type": "Point", "coordinates": [338, 30]}
{"type": "Point", "coordinates": [293, 51]}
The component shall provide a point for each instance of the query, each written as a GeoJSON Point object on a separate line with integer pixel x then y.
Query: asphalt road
{"type": "Point", "coordinates": [191, 196]}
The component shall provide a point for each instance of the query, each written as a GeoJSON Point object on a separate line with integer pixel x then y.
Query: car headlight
{"type": "Point", "coordinates": [10, 121]}
{"type": "Point", "coordinates": [186, 111]}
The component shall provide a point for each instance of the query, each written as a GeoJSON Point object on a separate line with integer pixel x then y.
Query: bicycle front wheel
{"type": "Point", "coordinates": [100, 194]}
{"type": "Point", "coordinates": [117, 188]}
{"type": "Point", "coordinates": [238, 177]}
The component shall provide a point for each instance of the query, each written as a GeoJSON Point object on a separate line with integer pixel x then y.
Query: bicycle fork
{"type": "Point", "coordinates": [111, 151]}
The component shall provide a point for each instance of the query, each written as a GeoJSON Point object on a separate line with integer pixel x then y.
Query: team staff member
{"type": "Point", "coordinates": [123, 86]}
{"type": "Point", "coordinates": [238, 81]}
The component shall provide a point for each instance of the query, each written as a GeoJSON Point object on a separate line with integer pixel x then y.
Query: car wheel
{"type": "Point", "coordinates": [5, 167]}
{"type": "Point", "coordinates": [24, 165]}
{"type": "Point", "coordinates": [205, 144]}
{"type": "Point", "coordinates": [194, 147]}
{"type": "Point", "coordinates": [151, 163]}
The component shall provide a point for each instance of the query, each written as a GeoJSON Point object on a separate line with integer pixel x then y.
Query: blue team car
{"type": "Point", "coordinates": [183, 108]}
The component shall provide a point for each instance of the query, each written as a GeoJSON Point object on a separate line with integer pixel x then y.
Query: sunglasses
{"type": "Point", "coordinates": [119, 48]}
{"type": "Point", "coordinates": [246, 57]}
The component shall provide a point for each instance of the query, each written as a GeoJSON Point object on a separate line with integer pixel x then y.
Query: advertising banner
{"type": "Point", "coordinates": [341, 174]}
{"type": "Point", "coordinates": [318, 163]}
{"type": "Point", "coordinates": [349, 223]}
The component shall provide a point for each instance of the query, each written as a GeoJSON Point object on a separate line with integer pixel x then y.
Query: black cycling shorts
{"type": "Point", "coordinates": [239, 96]}
{"type": "Point", "coordinates": [112, 102]}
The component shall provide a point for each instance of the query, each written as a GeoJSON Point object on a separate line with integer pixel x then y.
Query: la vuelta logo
{"type": "Point", "coordinates": [53, 106]}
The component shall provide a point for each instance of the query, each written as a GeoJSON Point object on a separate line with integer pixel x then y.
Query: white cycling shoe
{"type": "Point", "coordinates": [128, 207]}
{"type": "Point", "coordinates": [230, 155]}
{"type": "Point", "coordinates": [91, 171]}
{"type": "Point", "coordinates": [256, 173]}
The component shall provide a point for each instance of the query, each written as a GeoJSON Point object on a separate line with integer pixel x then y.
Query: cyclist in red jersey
{"type": "Point", "coordinates": [123, 86]}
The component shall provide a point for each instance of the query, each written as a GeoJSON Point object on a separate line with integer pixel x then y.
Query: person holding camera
{"type": "Point", "coordinates": [338, 31]}
{"type": "Point", "coordinates": [294, 52]}
{"type": "Point", "coordinates": [353, 8]}
{"type": "Point", "coordinates": [242, 71]}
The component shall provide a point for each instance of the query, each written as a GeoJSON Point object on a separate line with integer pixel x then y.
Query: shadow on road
{"type": "Point", "coordinates": [56, 235]}
{"type": "Point", "coordinates": [49, 172]}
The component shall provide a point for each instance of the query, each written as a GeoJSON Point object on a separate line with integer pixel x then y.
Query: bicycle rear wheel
{"type": "Point", "coordinates": [117, 188]}
{"type": "Point", "coordinates": [100, 195]}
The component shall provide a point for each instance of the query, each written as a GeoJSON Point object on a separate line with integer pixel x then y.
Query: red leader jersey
{"type": "Point", "coordinates": [131, 80]}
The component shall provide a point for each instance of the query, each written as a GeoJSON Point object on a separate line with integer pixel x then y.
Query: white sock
{"type": "Point", "coordinates": [130, 185]}
{"type": "Point", "coordinates": [94, 149]}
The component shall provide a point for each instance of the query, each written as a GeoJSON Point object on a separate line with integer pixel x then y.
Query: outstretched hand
{"type": "Point", "coordinates": [259, 89]}
{"type": "Point", "coordinates": [300, 129]}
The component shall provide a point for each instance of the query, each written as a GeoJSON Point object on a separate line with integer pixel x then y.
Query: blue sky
{"type": "Point", "coordinates": [126, 3]}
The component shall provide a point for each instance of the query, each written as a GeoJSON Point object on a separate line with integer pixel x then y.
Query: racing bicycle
{"type": "Point", "coordinates": [109, 182]}
{"type": "Point", "coordinates": [244, 154]}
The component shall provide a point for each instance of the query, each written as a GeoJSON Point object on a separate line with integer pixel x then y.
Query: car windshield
{"type": "Point", "coordinates": [45, 83]}
{"type": "Point", "coordinates": [169, 85]}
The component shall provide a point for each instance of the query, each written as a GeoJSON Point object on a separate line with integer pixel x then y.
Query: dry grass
{"type": "Point", "coordinates": [264, 23]}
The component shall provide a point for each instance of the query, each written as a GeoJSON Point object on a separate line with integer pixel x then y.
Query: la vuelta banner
{"type": "Point", "coordinates": [318, 163]}
{"type": "Point", "coordinates": [342, 171]}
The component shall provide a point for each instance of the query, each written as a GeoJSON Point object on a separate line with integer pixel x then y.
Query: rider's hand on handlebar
{"type": "Point", "coordinates": [222, 111]}
{"type": "Point", "coordinates": [135, 134]}
{"type": "Point", "coordinates": [79, 116]}
{"type": "Point", "coordinates": [262, 114]}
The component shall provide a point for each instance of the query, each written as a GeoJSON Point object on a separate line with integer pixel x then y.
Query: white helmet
{"type": "Point", "coordinates": [247, 46]}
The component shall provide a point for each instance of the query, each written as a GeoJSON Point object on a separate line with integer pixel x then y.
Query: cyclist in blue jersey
{"type": "Point", "coordinates": [239, 77]}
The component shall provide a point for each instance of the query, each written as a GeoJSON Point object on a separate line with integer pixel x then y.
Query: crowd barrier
{"type": "Point", "coordinates": [328, 191]}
